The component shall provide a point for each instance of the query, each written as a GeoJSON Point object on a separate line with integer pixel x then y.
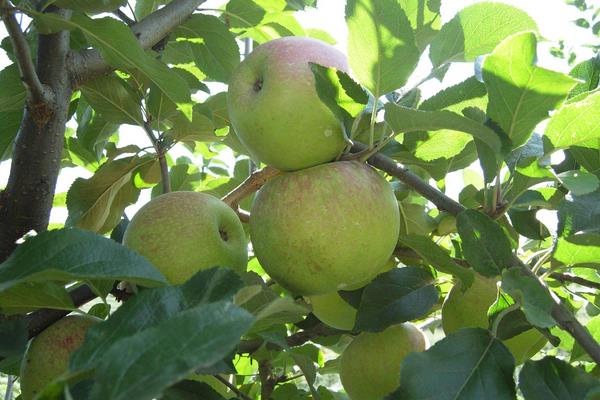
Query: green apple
{"type": "Point", "coordinates": [469, 309]}
{"type": "Point", "coordinates": [274, 106]}
{"type": "Point", "coordinates": [370, 365]}
{"type": "Point", "coordinates": [47, 356]}
{"type": "Point", "coordinates": [334, 311]}
{"type": "Point", "coordinates": [325, 228]}
{"type": "Point", "coordinates": [182, 233]}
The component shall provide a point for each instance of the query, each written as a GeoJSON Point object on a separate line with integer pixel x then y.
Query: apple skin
{"type": "Point", "coordinates": [325, 228]}
{"type": "Point", "coordinates": [182, 233]}
{"type": "Point", "coordinates": [334, 311]}
{"type": "Point", "coordinates": [370, 365]}
{"type": "Point", "coordinates": [275, 109]}
{"type": "Point", "coordinates": [47, 356]}
{"type": "Point", "coordinates": [469, 309]}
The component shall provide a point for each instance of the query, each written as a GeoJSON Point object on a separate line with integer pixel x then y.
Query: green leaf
{"type": "Point", "coordinates": [199, 129]}
{"type": "Point", "coordinates": [551, 378]}
{"type": "Point", "coordinates": [593, 327]}
{"type": "Point", "coordinates": [531, 294]}
{"type": "Point", "coordinates": [9, 126]}
{"type": "Point", "coordinates": [437, 257]}
{"type": "Point", "coordinates": [425, 19]}
{"type": "Point", "coordinates": [97, 203]}
{"type": "Point", "coordinates": [577, 123]}
{"type": "Point", "coordinates": [403, 119]}
{"type": "Point", "coordinates": [589, 73]}
{"type": "Point", "coordinates": [243, 13]}
{"type": "Point", "coordinates": [13, 332]}
{"type": "Point", "coordinates": [395, 296]}
{"type": "Point", "coordinates": [133, 316]}
{"type": "Point", "coordinates": [579, 213]}
{"type": "Point", "coordinates": [90, 6]}
{"type": "Point", "coordinates": [469, 92]}
{"type": "Point", "coordinates": [12, 96]}
{"type": "Point", "coordinates": [279, 311]}
{"type": "Point", "coordinates": [582, 248]}
{"type": "Point", "coordinates": [214, 47]}
{"type": "Point", "coordinates": [476, 30]}
{"type": "Point", "coordinates": [111, 98]}
{"type": "Point", "coordinates": [195, 338]}
{"type": "Point", "coordinates": [145, 7]}
{"type": "Point", "coordinates": [30, 296]}
{"type": "Point", "coordinates": [381, 45]}
{"type": "Point", "coordinates": [485, 245]}
{"type": "Point", "coordinates": [70, 254]}
{"type": "Point", "coordinates": [521, 94]}
{"type": "Point", "coordinates": [579, 182]}
{"type": "Point", "coordinates": [526, 224]}
{"type": "Point", "coordinates": [469, 364]}
{"type": "Point", "coordinates": [191, 390]}
{"type": "Point", "coordinates": [93, 131]}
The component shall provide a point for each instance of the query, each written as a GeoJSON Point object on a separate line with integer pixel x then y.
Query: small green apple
{"type": "Point", "coordinates": [370, 365]}
{"type": "Point", "coordinates": [274, 106]}
{"type": "Point", "coordinates": [325, 228]}
{"type": "Point", "coordinates": [469, 309]}
{"type": "Point", "coordinates": [47, 356]}
{"type": "Point", "coordinates": [334, 311]}
{"type": "Point", "coordinates": [182, 233]}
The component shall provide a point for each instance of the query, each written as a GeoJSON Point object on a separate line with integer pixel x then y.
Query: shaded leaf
{"type": "Point", "coordinates": [110, 97]}
{"type": "Point", "coordinates": [30, 296]}
{"type": "Point", "coordinates": [90, 6]}
{"type": "Point", "coordinates": [13, 332]}
{"type": "Point", "coordinates": [579, 213]}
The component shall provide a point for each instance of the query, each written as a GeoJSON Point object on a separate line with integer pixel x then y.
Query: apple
{"type": "Point", "coordinates": [47, 356]}
{"type": "Point", "coordinates": [334, 311]}
{"type": "Point", "coordinates": [274, 106]}
{"type": "Point", "coordinates": [325, 228]}
{"type": "Point", "coordinates": [370, 365]}
{"type": "Point", "coordinates": [182, 233]}
{"type": "Point", "coordinates": [469, 309]}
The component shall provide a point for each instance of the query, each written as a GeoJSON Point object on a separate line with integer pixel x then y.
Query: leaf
{"type": "Point", "coordinates": [195, 338]}
{"type": "Point", "coordinates": [424, 16]}
{"type": "Point", "coordinates": [199, 129]}
{"type": "Point", "coordinates": [526, 224]}
{"type": "Point", "coordinates": [403, 119]}
{"type": "Point", "coordinates": [30, 296]}
{"type": "Point", "coordinates": [455, 97]}
{"type": "Point", "coordinates": [476, 30]}
{"type": "Point", "coordinates": [13, 332]}
{"type": "Point", "coordinates": [73, 254]}
{"type": "Point", "coordinates": [280, 310]}
{"type": "Point", "coordinates": [579, 213]}
{"type": "Point", "coordinates": [243, 13]}
{"type": "Point", "coordinates": [521, 94]}
{"type": "Point", "coordinates": [214, 47]}
{"type": "Point", "coordinates": [468, 364]}
{"type": "Point", "coordinates": [579, 182]}
{"type": "Point", "coordinates": [593, 327]}
{"type": "Point", "coordinates": [395, 296]}
{"type": "Point", "coordinates": [97, 203]}
{"type": "Point", "coordinates": [381, 46]}
{"type": "Point", "coordinates": [9, 126]}
{"type": "Point", "coordinates": [577, 123]}
{"type": "Point", "coordinates": [110, 97]}
{"type": "Point", "coordinates": [12, 96]}
{"type": "Point", "coordinates": [191, 390]}
{"type": "Point", "coordinates": [437, 257]}
{"type": "Point", "coordinates": [554, 379]}
{"type": "Point", "coordinates": [135, 315]}
{"type": "Point", "coordinates": [531, 294]}
{"type": "Point", "coordinates": [485, 245]}
{"type": "Point", "coordinates": [90, 6]}
{"type": "Point", "coordinates": [582, 248]}
{"type": "Point", "coordinates": [588, 72]}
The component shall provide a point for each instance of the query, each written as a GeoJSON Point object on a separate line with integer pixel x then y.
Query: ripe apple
{"type": "Point", "coordinates": [469, 309]}
{"type": "Point", "coordinates": [274, 106]}
{"type": "Point", "coordinates": [334, 311]}
{"type": "Point", "coordinates": [182, 233]}
{"type": "Point", "coordinates": [325, 228]}
{"type": "Point", "coordinates": [47, 356]}
{"type": "Point", "coordinates": [370, 365]}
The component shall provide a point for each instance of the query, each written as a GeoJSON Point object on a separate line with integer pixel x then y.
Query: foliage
{"type": "Point", "coordinates": [222, 335]}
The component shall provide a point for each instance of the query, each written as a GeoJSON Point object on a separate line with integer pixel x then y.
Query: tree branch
{"type": "Point", "coordinates": [89, 64]}
{"type": "Point", "coordinates": [233, 388]}
{"type": "Point", "coordinates": [160, 153]}
{"type": "Point", "coordinates": [559, 313]}
{"type": "Point", "coordinates": [575, 279]}
{"type": "Point", "coordinates": [36, 92]}
{"type": "Point", "coordinates": [267, 379]}
{"type": "Point", "coordinates": [250, 185]}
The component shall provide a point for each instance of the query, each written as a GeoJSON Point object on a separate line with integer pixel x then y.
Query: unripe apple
{"type": "Point", "coordinates": [325, 228]}
{"type": "Point", "coordinates": [47, 356]}
{"type": "Point", "coordinates": [334, 311]}
{"type": "Point", "coordinates": [370, 365]}
{"type": "Point", "coordinates": [274, 106]}
{"type": "Point", "coordinates": [469, 309]}
{"type": "Point", "coordinates": [182, 233]}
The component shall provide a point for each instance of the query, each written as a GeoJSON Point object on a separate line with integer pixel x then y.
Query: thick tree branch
{"type": "Point", "coordinates": [267, 379]}
{"type": "Point", "coordinates": [89, 64]}
{"type": "Point", "coordinates": [561, 315]}
{"type": "Point", "coordinates": [36, 92]}
{"type": "Point", "coordinates": [27, 200]}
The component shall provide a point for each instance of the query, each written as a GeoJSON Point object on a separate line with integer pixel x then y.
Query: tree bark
{"type": "Point", "coordinates": [27, 200]}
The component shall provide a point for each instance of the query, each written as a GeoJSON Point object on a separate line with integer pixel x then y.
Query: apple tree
{"type": "Point", "coordinates": [447, 246]}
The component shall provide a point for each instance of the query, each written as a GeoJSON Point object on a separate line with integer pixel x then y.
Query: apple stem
{"type": "Point", "coordinates": [161, 151]}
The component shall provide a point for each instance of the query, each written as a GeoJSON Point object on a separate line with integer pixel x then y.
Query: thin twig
{"type": "Point", "coordinates": [160, 154]}
{"type": "Point", "coordinates": [575, 279]}
{"type": "Point", "coordinates": [250, 185]}
{"type": "Point", "coordinates": [232, 387]}
{"type": "Point", "coordinates": [124, 17]}
{"type": "Point", "coordinates": [36, 91]}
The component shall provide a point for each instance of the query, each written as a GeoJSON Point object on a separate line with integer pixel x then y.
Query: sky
{"type": "Point", "coordinates": [554, 19]}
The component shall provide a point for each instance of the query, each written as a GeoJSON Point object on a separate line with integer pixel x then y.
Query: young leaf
{"type": "Point", "coordinates": [381, 45]}
{"type": "Point", "coordinates": [196, 338]}
{"type": "Point", "coordinates": [470, 364]}
{"type": "Point", "coordinates": [73, 254]}
{"type": "Point", "coordinates": [577, 123]}
{"type": "Point", "coordinates": [521, 94]}
{"type": "Point", "coordinates": [551, 378]}
{"type": "Point", "coordinates": [398, 295]}
{"type": "Point", "coordinates": [476, 30]}
{"type": "Point", "coordinates": [485, 244]}
{"type": "Point", "coordinates": [535, 298]}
